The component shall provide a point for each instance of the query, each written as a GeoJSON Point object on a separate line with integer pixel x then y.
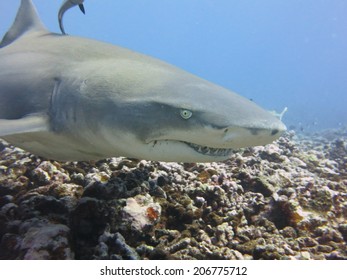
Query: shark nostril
{"type": "Point", "coordinates": [274, 131]}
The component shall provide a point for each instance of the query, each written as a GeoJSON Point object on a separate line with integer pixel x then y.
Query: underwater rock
{"type": "Point", "coordinates": [89, 218]}
{"type": "Point", "coordinates": [141, 213]}
{"type": "Point", "coordinates": [223, 235]}
{"type": "Point", "coordinates": [49, 241]}
{"type": "Point", "coordinates": [70, 190]}
{"type": "Point", "coordinates": [37, 239]}
{"type": "Point", "coordinates": [286, 200]}
{"type": "Point", "coordinates": [48, 171]}
{"type": "Point", "coordinates": [113, 246]}
{"type": "Point", "coordinates": [45, 205]}
{"type": "Point", "coordinates": [343, 230]}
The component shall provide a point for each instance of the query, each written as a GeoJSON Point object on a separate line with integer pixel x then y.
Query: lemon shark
{"type": "Point", "coordinates": [71, 99]}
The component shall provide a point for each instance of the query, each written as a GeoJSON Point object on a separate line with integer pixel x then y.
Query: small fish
{"type": "Point", "coordinates": [67, 4]}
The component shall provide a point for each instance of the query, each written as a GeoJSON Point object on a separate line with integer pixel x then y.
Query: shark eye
{"type": "Point", "coordinates": [186, 114]}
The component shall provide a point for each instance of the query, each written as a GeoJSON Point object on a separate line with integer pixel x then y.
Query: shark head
{"type": "Point", "coordinates": [71, 98]}
{"type": "Point", "coordinates": [164, 113]}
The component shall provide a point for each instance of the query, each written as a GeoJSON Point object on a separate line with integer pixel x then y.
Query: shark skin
{"type": "Point", "coordinates": [72, 99]}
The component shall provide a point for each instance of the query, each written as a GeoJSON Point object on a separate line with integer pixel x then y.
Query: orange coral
{"type": "Point", "coordinates": [152, 214]}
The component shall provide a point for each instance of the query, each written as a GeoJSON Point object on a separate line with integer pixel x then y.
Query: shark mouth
{"type": "Point", "coordinates": [213, 152]}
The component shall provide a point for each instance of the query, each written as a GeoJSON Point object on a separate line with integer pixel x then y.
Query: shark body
{"type": "Point", "coordinates": [69, 99]}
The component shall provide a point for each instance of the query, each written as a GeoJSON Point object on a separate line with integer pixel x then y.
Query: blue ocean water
{"type": "Point", "coordinates": [278, 53]}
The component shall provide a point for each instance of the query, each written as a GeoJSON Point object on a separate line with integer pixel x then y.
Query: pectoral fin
{"type": "Point", "coordinates": [30, 123]}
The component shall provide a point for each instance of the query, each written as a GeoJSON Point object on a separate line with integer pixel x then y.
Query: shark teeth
{"type": "Point", "coordinates": [215, 152]}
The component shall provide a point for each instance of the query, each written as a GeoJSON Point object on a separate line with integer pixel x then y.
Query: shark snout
{"type": "Point", "coordinates": [278, 128]}
{"type": "Point", "coordinates": [255, 135]}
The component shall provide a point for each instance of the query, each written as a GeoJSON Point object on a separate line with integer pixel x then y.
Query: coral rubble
{"type": "Point", "coordinates": [286, 200]}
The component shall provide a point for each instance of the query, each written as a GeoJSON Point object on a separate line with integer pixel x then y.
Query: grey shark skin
{"type": "Point", "coordinates": [69, 99]}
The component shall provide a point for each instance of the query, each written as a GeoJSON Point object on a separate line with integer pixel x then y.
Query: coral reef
{"type": "Point", "coordinates": [286, 200]}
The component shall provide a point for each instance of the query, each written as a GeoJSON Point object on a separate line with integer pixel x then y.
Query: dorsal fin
{"type": "Point", "coordinates": [27, 20]}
